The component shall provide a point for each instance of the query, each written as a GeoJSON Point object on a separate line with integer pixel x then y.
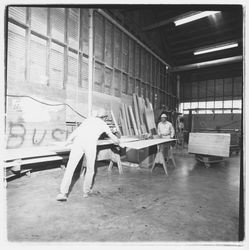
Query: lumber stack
{"type": "Point", "coordinates": [137, 119]}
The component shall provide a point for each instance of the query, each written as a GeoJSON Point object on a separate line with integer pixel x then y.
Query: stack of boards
{"type": "Point", "coordinates": [137, 119]}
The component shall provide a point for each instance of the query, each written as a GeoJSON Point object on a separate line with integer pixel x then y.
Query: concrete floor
{"type": "Point", "coordinates": [191, 204]}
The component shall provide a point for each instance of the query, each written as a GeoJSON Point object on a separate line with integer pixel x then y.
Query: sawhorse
{"type": "Point", "coordinates": [159, 159]}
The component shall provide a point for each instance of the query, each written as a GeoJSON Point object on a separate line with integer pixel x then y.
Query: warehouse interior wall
{"type": "Point", "coordinates": [47, 72]}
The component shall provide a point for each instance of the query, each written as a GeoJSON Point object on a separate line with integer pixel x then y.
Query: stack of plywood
{"type": "Point", "coordinates": [139, 118]}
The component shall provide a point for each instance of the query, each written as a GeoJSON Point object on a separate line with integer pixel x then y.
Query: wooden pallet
{"type": "Point", "coordinates": [208, 159]}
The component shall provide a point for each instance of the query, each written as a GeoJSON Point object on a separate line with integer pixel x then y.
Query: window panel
{"type": "Point", "coordinates": [72, 68]}
{"type": "Point", "coordinates": [84, 72]}
{"type": "Point", "coordinates": [38, 59]}
{"type": "Point", "coordinates": [131, 86]}
{"type": "Point", "coordinates": [210, 104]}
{"type": "Point", "coordinates": [58, 23]}
{"type": "Point", "coordinates": [194, 105]}
{"type": "Point", "coordinates": [99, 37]}
{"type": "Point", "coordinates": [73, 28]}
{"type": "Point", "coordinates": [125, 53]}
{"type": "Point", "coordinates": [98, 77]}
{"type": "Point", "coordinates": [187, 105]}
{"type": "Point", "coordinates": [56, 66]}
{"type": "Point", "coordinates": [137, 61]}
{"type": "Point", "coordinates": [228, 104]}
{"type": "Point", "coordinates": [108, 81]}
{"type": "Point", "coordinates": [117, 83]}
{"type": "Point", "coordinates": [218, 104]}
{"type": "Point", "coordinates": [117, 48]}
{"type": "Point", "coordinates": [124, 83]}
{"type": "Point", "coordinates": [108, 43]}
{"type": "Point", "coordinates": [237, 104]}
{"type": "Point", "coordinates": [85, 31]}
{"type": "Point", "coordinates": [131, 58]}
{"type": "Point", "coordinates": [143, 69]}
{"type": "Point", "coordinates": [18, 13]}
{"type": "Point", "coordinates": [16, 52]}
{"type": "Point", "coordinates": [39, 20]}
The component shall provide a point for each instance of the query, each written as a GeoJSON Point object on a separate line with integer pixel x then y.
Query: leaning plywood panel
{"type": "Point", "coordinates": [136, 113]}
{"type": "Point", "coordinates": [128, 120]}
{"type": "Point", "coordinates": [133, 120]}
{"type": "Point", "coordinates": [209, 144]}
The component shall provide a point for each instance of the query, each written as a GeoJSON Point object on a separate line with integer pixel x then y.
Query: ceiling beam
{"type": "Point", "coordinates": [201, 41]}
{"type": "Point", "coordinates": [207, 63]}
{"type": "Point", "coordinates": [167, 21]}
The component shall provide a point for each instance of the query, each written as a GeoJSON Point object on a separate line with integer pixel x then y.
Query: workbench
{"type": "Point", "coordinates": [14, 159]}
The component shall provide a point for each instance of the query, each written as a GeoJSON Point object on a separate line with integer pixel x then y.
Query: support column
{"type": "Point", "coordinates": [90, 62]}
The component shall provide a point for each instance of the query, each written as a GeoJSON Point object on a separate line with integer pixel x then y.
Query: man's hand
{"type": "Point", "coordinates": [117, 142]}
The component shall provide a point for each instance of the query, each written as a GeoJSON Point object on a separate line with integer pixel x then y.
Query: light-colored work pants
{"type": "Point", "coordinates": [164, 148]}
{"type": "Point", "coordinates": [75, 155]}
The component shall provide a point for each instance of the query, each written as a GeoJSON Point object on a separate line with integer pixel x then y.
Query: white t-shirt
{"type": "Point", "coordinates": [90, 130]}
{"type": "Point", "coordinates": [165, 129]}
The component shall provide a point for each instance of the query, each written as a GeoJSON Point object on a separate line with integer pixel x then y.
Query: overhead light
{"type": "Point", "coordinates": [216, 48]}
{"type": "Point", "coordinates": [194, 17]}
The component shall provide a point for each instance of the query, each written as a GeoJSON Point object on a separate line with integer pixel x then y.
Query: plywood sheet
{"type": "Point", "coordinates": [136, 113]}
{"type": "Point", "coordinates": [128, 120]}
{"type": "Point", "coordinates": [209, 144]}
{"type": "Point", "coordinates": [133, 120]}
{"type": "Point", "coordinates": [150, 120]}
{"type": "Point", "coordinates": [125, 128]}
{"type": "Point", "coordinates": [145, 143]}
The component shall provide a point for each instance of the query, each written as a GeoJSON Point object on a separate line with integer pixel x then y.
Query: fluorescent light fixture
{"type": "Point", "coordinates": [194, 17]}
{"type": "Point", "coordinates": [216, 48]}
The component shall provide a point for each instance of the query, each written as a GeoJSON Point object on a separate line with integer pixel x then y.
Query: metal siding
{"type": "Point", "coordinates": [117, 48]}
{"type": "Point", "coordinates": [108, 81]}
{"type": "Point", "coordinates": [137, 60]}
{"type": "Point", "coordinates": [73, 28]}
{"type": "Point", "coordinates": [56, 66]}
{"type": "Point", "coordinates": [125, 53]}
{"type": "Point", "coordinates": [16, 53]}
{"type": "Point", "coordinates": [58, 23]}
{"type": "Point", "coordinates": [108, 43]}
{"type": "Point", "coordinates": [219, 89]}
{"type": "Point", "coordinates": [84, 72]}
{"type": "Point", "coordinates": [72, 68]}
{"type": "Point", "coordinates": [18, 13]}
{"type": "Point", "coordinates": [85, 31]}
{"type": "Point", "coordinates": [98, 77]}
{"type": "Point", "coordinates": [117, 83]}
{"type": "Point", "coordinates": [98, 37]}
{"type": "Point", "coordinates": [131, 58]}
{"type": "Point", "coordinates": [39, 18]}
{"type": "Point", "coordinates": [38, 60]}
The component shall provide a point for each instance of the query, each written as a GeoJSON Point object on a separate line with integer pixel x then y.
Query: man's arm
{"type": "Point", "coordinates": [172, 131]}
{"type": "Point", "coordinates": [114, 138]}
{"type": "Point", "coordinates": [159, 130]}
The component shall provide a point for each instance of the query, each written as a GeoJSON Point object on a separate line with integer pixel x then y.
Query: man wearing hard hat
{"type": "Point", "coordinates": [165, 130]}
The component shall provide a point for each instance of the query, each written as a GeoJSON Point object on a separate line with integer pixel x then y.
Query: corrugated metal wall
{"type": "Point", "coordinates": [219, 83]}
{"type": "Point", "coordinates": [48, 58]}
